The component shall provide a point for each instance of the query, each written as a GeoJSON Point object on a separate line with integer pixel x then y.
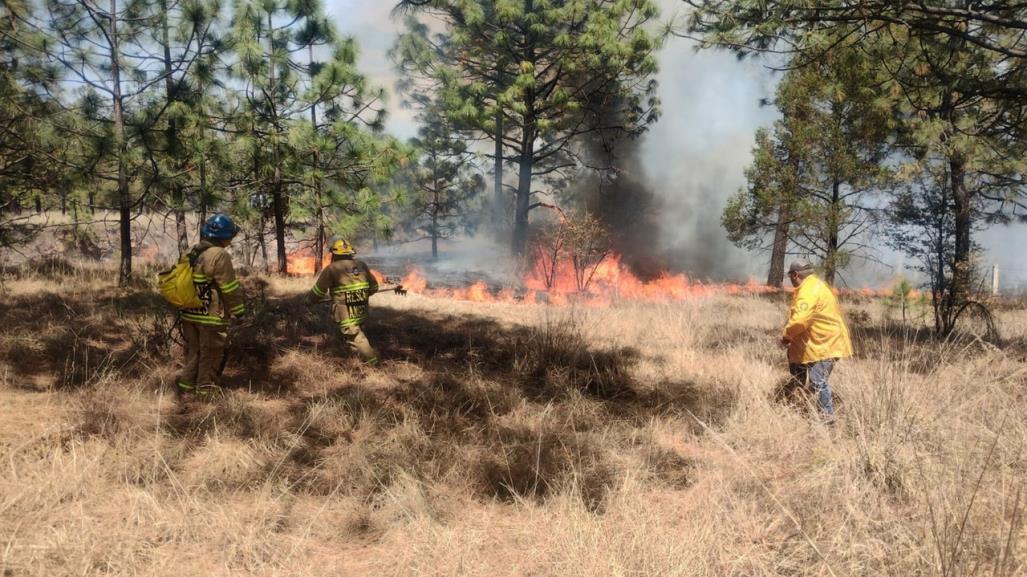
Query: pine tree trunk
{"type": "Point", "coordinates": [278, 201]}
{"type": "Point", "coordinates": [203, 188]}
{"type": "Point", "coordinates": [938, 286]}
{"type": "Point", "coordinates": [177, 193]}
{"type": "Point", "coordinates": [831, 258]}
{"type": "Point", "coordinates": [520, 232]}
{"type": "Point", "coordinates": [498, 198]}
{"type": "Point", "coordinates": [319, 240]}
{"type": "Point", "coordinates": [263, 246]}
{"type": "Point", "coordinates": [776, 276]}
{"type": "Point", "coordinates": [74, 220]}
{"type": "Point", "coordinates": [527, 157]}
{"type": "Point", "coordinates": [278, 206]}
{"type": "Point", "coordinates": [434, 235]}
{"type": "Point", "coordinates": [319, 249]}
{"type": "Point", "coordinates": [962, 266]}
{"type": "Point", "coordinates": [124, 198]}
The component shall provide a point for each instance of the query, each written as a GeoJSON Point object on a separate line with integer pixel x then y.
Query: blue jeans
{"type": "Point", "coordinates": [813, 377]}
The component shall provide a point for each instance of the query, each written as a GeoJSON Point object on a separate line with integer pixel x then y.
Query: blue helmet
{"type": "Point", "coordinates": [220, 227]}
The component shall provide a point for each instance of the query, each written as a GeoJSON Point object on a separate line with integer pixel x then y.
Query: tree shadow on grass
{"type": "Point", "coordinates": [511, 411]}
{"type": "Point", "coordinates": [74, 340]}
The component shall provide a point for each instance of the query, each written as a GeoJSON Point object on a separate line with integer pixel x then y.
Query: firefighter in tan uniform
{"type": "Point", "coordinates": [350, 285]}
{"type": "Point", "coordinates": [206, 329]}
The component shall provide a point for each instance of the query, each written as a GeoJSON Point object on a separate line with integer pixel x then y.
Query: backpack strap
{"type": "Point", "coordinates": [194, 255]}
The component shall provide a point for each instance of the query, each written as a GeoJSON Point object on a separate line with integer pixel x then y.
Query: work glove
{"type": "Point", "coordinates": [401, 291]}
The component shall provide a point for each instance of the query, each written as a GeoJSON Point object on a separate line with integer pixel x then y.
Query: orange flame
{"type": "Point", "coordinates": [610, 280]}
{"type": "Point", "coordinates": [414, 281]}
{"type": "Point", "coordinates": [303, 263]}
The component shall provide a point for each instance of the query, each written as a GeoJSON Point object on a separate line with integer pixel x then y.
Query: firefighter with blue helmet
{"type": "Point", "coordinates": [205, 329]}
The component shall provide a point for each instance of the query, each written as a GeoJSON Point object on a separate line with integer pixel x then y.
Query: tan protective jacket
{"type": "Point", "coordinates": [217, 287]}
{"type": "Point", "coordinates": [816, 330]}
{"type": "Point", "coordinates": [350, 284]}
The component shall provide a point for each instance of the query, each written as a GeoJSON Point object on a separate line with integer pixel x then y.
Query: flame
{"type": "Point", "coordinates": [607, 282]}
{"type": "Point", "coordinates": [414, 281]}
{"type": "Point", "coordinates": [303, 263]}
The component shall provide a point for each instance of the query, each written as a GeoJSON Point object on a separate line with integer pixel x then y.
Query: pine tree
{"type": "Point", "coordinates": [186, 34]}
{"type": "Point", "coordinates": [567, 61]}
{"type": "Point", "coordinates": [267, 65]}
{"type": "Point", "coordinates": [765, 206]}
{"type": "Point", "coordinates": [445, 179]}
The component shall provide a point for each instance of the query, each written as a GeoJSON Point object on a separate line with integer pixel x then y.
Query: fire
{"type": "Point", "coordinates": [608, 281]}
{"type": "Point", "coordinates": [303, 263]}
{"type": "Point", "coordinates": [604, 283]}
{"type": "Point", "coordinates": [414, 281]}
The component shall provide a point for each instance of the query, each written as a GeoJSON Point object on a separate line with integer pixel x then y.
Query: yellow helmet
{"type": "Point", "coordinates": [340, 246]}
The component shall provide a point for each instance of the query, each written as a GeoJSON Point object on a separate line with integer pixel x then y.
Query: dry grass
{"type": "Point", "coordinates": [496, 439]}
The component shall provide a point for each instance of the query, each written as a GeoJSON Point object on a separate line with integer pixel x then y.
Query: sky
{"type": "Point", "coordinates": [694, 157]}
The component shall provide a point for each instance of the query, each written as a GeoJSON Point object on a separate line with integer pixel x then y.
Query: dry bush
{"type": "Point", "coordinates": [536, 459]}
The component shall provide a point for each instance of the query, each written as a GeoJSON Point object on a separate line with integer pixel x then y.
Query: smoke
{"type": "Point", "coordinates": [671, 185]}
{"type": "Point", "coordinates": [663, 197]}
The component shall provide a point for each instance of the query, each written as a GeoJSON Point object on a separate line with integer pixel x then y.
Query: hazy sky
{"type": "Point", "coordinates": [694, 156]}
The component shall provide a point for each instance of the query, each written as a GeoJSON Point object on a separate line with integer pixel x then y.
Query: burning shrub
{"type": "Point", "coordinates": [569, 252]}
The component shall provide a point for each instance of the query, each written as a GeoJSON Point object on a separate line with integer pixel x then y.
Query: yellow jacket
{"type": "Point", "coordinates": [816, 330]}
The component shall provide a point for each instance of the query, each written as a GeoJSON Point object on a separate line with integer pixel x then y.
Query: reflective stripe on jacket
{"type": "Point", "coordinates": [350, 284]}
{"type": "Point", "coordinates": [217, 286]}
{"type": "Point", "coordinates": [816, 329]}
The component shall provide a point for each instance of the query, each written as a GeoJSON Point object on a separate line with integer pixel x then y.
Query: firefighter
{"type": "Point", "coordinates": [816, 335]}
{"type": "Point", "coordinates": [206, 328]}
{"type": "Point", "coordinates": [350, 285]}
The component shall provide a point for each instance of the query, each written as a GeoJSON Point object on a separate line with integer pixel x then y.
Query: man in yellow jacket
{"type": "Point", "coordinates": [816, 335]}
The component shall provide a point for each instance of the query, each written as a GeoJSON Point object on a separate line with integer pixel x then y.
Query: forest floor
{"type": "Point", "coordinates": [499, 439]}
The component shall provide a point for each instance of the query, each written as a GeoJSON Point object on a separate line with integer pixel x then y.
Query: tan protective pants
{"type": "Point", "coordinates": [204, 354]}
{"type": "Point", "coordinates": [357, 343]}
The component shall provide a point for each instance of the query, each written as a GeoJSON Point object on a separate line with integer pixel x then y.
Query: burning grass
{"type": "Point", "coordinates": [500, 438]}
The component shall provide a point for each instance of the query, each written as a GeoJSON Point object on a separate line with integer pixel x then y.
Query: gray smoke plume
{"type": "Point", "coordinates": [680, 174]}
{"type": "Point", "coordinates": [663, 194]}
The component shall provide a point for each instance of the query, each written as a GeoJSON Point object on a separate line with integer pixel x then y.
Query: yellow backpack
{"type": "Point", "coordinates": [176, 284]}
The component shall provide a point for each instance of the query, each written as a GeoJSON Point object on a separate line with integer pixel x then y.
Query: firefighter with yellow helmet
{"type": "Point", "coordinates": [349, 284]}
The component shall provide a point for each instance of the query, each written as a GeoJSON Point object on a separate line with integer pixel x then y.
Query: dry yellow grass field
{"type": "Point", "coordinates": [499, 440]}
